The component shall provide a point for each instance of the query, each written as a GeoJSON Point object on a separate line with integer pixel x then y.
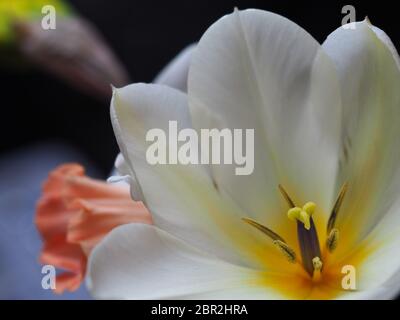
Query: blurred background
{"type": "Point", "coordinates": [55, 93]}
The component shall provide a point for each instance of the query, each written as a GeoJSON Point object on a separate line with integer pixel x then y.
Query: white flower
{"type": "Point", "coordinates": [326, 120]}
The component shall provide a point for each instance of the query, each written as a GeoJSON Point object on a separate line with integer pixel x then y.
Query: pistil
{"type": "Point", "coordinates": [309, 245]}
{"type": "Point", "coordinates": [306, 233]}
{"type": "Point", "coordinates": [317, 265]}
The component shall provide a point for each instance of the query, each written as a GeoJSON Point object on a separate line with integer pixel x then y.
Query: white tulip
{"type": "Point", "coordinates": [323, 199]}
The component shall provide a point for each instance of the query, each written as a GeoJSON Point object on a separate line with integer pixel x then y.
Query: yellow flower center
{"type": "Point", "coordinates": [315, 271]}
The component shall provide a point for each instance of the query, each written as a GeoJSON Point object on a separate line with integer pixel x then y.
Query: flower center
{"type": "Point", "coordinates": [311, 258]}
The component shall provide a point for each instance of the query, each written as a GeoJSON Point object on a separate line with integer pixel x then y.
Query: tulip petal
{"type": "Point", "coordinates": [257, 70]}
{"type": "Point", "coordinates": [174, 75]}
{"type": "Point", "coordinates": [143, 262]}
{"type": "Point", "coordinates": [367, 65]}
{"type": "Point", "coordinates": [376, 262]}
{"type": "Point", "coordinates": [126, 175]}
{"type": "Point", "coordinates": [182, 199]}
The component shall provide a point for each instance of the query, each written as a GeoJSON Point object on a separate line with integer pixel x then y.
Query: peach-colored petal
{"type": "Point", "coordinates": [98, 217]}
{"type": "Point", "coordinates": [48, 223]}
{"type": "Point", "coordinates": [74, 213]}
{"type": "Point", "coordinates": [68, 281]}
{"type": "Point", "coordinates": [66, 256]}
{"type": "Point", "coordinates": [62, 254]}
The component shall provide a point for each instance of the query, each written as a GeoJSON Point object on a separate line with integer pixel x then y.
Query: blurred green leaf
{"type": "Point", "coordinates": [28, 10]}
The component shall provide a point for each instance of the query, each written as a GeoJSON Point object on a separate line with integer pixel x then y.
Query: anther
{"type": "Point", "coordinates": [336, 208]}
{"type": "Point", "coordinates": [273, 235]}
{"type": "Point", "coordinates": [332, 240]}
{"type": "Point", "coordinates": [278, 241]}
{"type": "Point", "coordinates": [288, 252]}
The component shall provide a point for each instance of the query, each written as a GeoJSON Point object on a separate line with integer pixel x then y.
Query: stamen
{"type": "Point", "coordinates": [332, 240]}
{"type": "Point", "coordinates": [280, 243]}
{"type": "Point", "coordinates": [286, 196]}
{"type": "Point", "coordinates": [336, 208]}
{"type": "Point", "coordinates": [273, 235]}
{"type": "Point", "coordinates": [289, 253]}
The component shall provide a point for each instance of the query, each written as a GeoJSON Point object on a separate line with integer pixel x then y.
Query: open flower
{"type": "Point", "coordinates": [325, 187]}
{"type": "Point", "coordinates": [74, 213]}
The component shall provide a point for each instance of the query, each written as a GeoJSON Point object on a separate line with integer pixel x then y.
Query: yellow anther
{"type": "Point", "coordinates": [302, 214]}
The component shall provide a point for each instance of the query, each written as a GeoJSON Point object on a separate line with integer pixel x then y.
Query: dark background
{"type": "Point", "coordinates": [145, 35]}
